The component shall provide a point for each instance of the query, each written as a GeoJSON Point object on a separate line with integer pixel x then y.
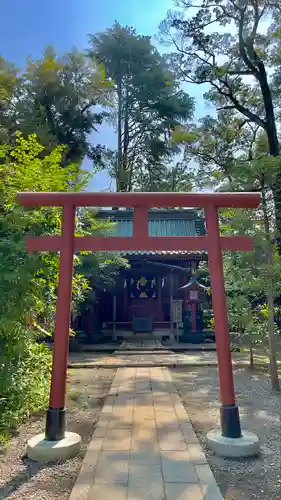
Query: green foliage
{"type": "Point", "coordinates": [8, 82]}
{"type": "Point", "coordinates": [223, 59]}
{"type": "Point", "coordinates": [57, 97]}
{"type": "Point", "coordinates": [236, 69]}
{"type": "Point", "coordinates": [246, 279]}
{"type": "Point", "coordinates": [253, 279]}
{"type": "Point", "coordinates": [159, 177]}
{"type": "Point", "coordinates": [28, 282]}
{"type": "Point", "coordinates": [25, 376]}
{"type": "Point", "coordinates": [100, 268]}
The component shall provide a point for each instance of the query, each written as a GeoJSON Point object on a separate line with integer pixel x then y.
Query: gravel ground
{"type": "Point", "coordinates": [260, 410]}
{"type": "Point", "coordinates": [23, 479]}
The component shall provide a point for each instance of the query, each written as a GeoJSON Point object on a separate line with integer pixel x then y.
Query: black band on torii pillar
{"type": "Point", "coordinates": [230, 421]}
{"type": "Point", "coordinates": [55, 424]}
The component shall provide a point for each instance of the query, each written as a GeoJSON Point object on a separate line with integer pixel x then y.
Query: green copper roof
{"type": "Point", "coordinates": [160, 223]}
{"type": "Point", "coordinates": [193, 282]}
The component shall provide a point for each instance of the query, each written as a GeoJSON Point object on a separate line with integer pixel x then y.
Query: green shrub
{"type": "Point", "coordinates": [28, 283]}
{"type": "Point", "coordinates": [24, 381]}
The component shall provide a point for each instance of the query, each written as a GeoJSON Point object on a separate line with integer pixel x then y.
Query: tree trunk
{"type": "Point", "coordinates": [119, 173]}
{"type": "Point", "coordinates": [273, 142]}
{"type": "Point", "coordinates": [251, 350]}
{"type": "Point", "coordinates": [273, 146]}
{"type": "Point", "coordinates": [270, 296]}
{"type": "Point", "coordinates": [271, 337]}
{"type": "Point", "coordinates": [126, 140]}
{"type": "Point", "coordinates": [269, 125]}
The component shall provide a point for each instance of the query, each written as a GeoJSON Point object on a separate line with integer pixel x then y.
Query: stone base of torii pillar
{"type": "Point", "coordinates": [42, 450]}
{"type": "Point", "coordinates": [248, 445]}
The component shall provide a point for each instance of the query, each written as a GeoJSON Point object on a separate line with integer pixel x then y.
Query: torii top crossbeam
{"type": "Point", "coordinates": [168, 200]}
{"type": "Point", "coordinates": [140, 202]}
{"type": "Point", "coordinates": [67, 244]}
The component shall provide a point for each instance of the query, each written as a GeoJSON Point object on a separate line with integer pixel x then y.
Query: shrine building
{"type": "Point", "coordinates": [156, 295]}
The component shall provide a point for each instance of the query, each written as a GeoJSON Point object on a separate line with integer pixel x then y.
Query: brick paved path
{"type": "Point", "coordinates": [144, 446]}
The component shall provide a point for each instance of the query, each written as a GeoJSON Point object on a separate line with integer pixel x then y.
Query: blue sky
{"type": "Point", "coordinates": [27, 26]}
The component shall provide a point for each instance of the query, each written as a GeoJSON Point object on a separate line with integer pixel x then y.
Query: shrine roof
{"type": "Point", "coordinates": [160, 223]}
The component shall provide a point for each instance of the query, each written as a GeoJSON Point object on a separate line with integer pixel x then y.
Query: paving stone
{"type": "Point", "coordinates": [196, 454]}
{"type": "Point", "coordinates": [189, 435]}
{"type": "Point", "coordinates": [139, 473]}
{"type": "Point", "coordinates": [162, 397]}
{"type": "Point", "coordinates": [175, 398]}
{"type": "Point", "coordinates": [100, 432]}
{"type": "Point", "coordinates": [140, 418]}
{"type": "Point", "coordinates": [109, 401]}
{"type": "Point", "coordinates": [120, 411]}
{"type": "Point", "coordinates": [147, 423]}
{"type": "Point", "coordinates": [113, 467]}
{"type": "Point", "coordinates": [104, 420]}
{"type": "Point", "coordinates": [119, 423]}
{"type": "Point", "coordinates": [212, 492]}
{"type": "Point", "coordinates": [144, 399]}
{"type": "Point", "coordinates": [144, 433]}
{"type": "Point", "coordinates": [145, 455]}
{"type": "Point", "coordinates": [145, 406]}
{"type": "Point", "coordinates": [181, 413]}
{"type": "Point", "coordinates": [166, 417]}
{"type": "Point", "coordinates": [145, 482]}
{"type": "Point", "coordinates": [177, 467]}
{"type": "Point", "coordinates": [96, 444]}
{"type": "Point", "coordinates": [147, 445]}
{"type": "Point", "coordinates": [182, 491]}
{"type": "Point", "coordinates": [117, 439]}
{"type": "Point", "coordinates": [113, 391]}
{"type": "Point", "coordinates": [171, 439]}
{"type": "Point", "coordinates": [208, 483]}
{"type": "Point", "coordinates": [143, 414]}
{"type": "Point", "coordinates": [205, 474]}
{"type": "Point", "coordinates": [121, 400]}
{"type": "Point", "coordinates": [85, 478]}
{"type": "Point", "coordinates": [108, 492]}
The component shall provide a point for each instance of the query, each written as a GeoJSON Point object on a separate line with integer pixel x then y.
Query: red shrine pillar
{"type": "Point", "coordinates": [230, 421]}
{"type": "Point", "coordinates": [55, 423]}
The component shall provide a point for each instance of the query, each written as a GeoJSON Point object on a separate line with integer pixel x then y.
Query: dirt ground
{"type": "Point", "coordinates": [23, 479]}
{"type": "Point", "coordinates": [260, 410]}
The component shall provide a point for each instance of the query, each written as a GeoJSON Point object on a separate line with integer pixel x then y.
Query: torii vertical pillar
{"type": "Point", "coordinates": [230, 422]}
{"type": "Point", "coordinates": [55, 422]}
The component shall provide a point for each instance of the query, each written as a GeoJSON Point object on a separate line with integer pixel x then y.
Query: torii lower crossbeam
{"type": "Point", "coordinates": [67, 244]}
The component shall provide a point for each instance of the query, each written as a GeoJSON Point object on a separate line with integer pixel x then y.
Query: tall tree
{"type": "Point", "coordinates": [215, 144]}
{"type": "Point", "coordinates": [57, 97]}
{"type": "Point", "coordinates": [148, 102]}
{"type": "Point", "coordinates": [8, 82]}
{"type": "Point", "coordinates": [264, 263]}
{"type": "Point", "coordinates": [235, 159]}
{"type": "Point", "coordinates": [235, 65]}
{"type": "Point", "coordinates": [164, 177]}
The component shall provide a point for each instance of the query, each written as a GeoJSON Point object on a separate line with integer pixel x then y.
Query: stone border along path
{"type": "Point", "coordinates": [144, 446]}
{"type": "Point", "coordinates": [151, 359]}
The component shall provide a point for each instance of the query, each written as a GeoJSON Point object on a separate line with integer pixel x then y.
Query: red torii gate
{"type": "Point", "coordinates": [67, 244]}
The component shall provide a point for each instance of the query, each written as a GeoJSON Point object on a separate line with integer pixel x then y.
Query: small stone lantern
{"type": "Point", "coordinates": [192, 299]}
